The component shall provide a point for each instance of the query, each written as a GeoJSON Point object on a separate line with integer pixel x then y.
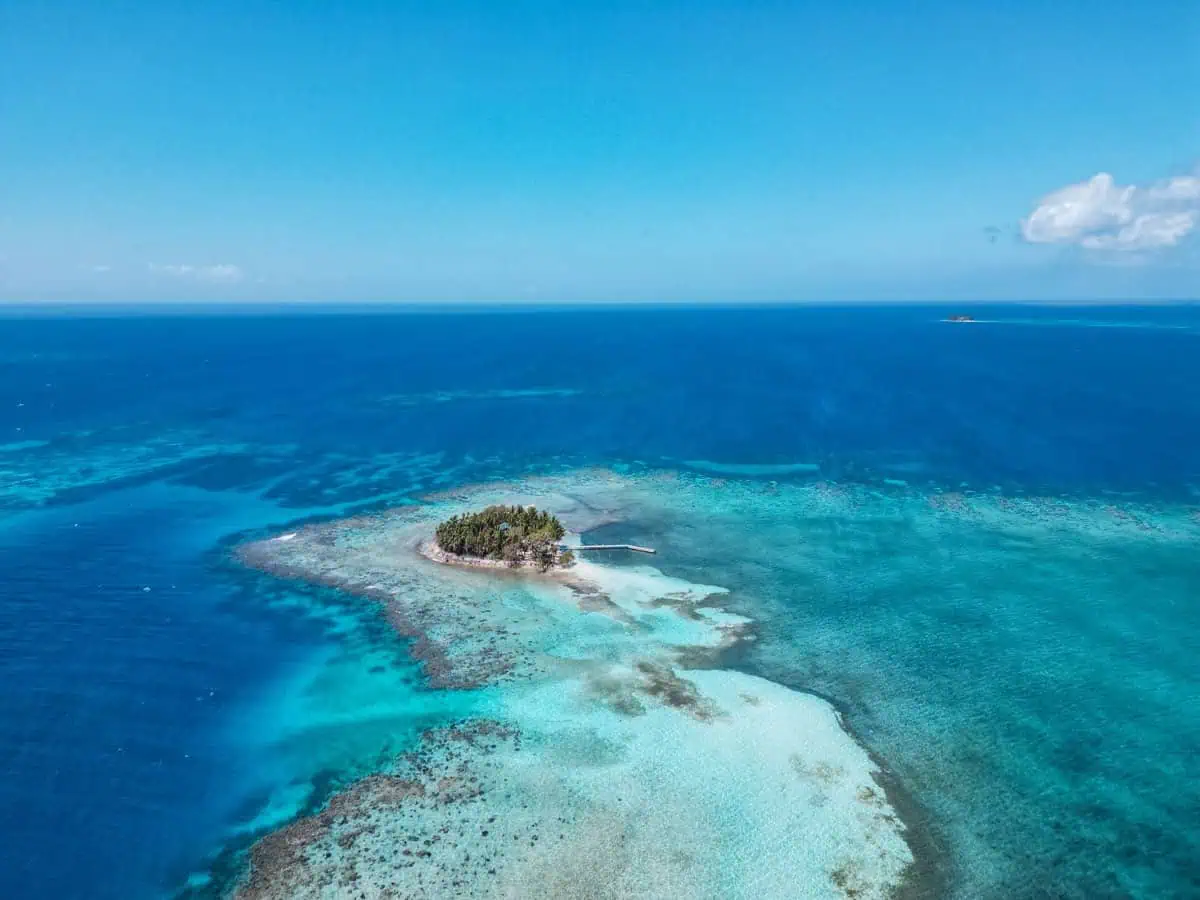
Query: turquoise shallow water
{"type": "Point", "coordinates": [1027, 667]}
{"type": "Point", "coordinates": [633, 763]}
{"type": "Point", "coordinates": [1028, 675]}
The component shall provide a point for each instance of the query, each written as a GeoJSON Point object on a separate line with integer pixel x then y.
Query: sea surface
{"type": "Point", "coordinates": [979, 541]}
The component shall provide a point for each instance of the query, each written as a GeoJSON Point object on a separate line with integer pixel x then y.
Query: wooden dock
{"type": "Point", "coordinates": [634, 547]}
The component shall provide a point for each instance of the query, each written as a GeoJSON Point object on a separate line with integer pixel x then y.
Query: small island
{"type": "Point", "coordinates": [517, 536]}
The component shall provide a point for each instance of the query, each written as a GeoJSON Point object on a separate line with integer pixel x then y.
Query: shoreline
{"type": "Point", "coordinates": [432, 552]}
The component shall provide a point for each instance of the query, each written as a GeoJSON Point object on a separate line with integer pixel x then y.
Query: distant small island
{"type": "Point", "coordinates": [517, 536]}
{"type": "Point", "coordinates": [959, 319]}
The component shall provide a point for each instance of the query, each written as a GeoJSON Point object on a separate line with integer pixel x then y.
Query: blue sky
{"type": "Point", "coordinates": [565, 152]}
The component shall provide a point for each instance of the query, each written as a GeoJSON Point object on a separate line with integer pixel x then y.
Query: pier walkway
{"type": "Point", "coordinates": [634, 547]}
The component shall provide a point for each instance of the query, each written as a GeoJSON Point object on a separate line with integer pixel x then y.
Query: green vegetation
{"type": "Point", "coordinates": [515, 534]}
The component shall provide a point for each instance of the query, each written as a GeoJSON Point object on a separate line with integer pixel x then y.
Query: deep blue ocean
{"type": "Point", "coordinates": [137, 660]}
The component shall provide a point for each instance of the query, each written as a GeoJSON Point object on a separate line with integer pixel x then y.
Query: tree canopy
{"type": "Point", "coordinates": [515, 534]}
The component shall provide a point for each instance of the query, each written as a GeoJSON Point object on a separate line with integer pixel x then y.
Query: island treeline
{"type": "Point", "coordinates": [516, 534]}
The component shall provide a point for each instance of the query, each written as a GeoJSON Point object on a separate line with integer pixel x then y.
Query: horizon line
{"type": "Point", "coordinates": [333, 307]}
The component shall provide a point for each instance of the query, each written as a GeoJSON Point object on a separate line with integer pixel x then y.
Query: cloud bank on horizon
{"type": "Point", "coordinates": [220, 273]}
{"type": "Point", "coordinates": [1100, 215]}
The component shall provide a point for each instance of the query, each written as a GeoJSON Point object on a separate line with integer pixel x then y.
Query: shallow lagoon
{"type": "Point", "coordinates": [609, 754]}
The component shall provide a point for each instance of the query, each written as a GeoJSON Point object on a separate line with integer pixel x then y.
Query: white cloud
{"type": "Point", "coordinates": [226, 272]}
{"type": "Point", "coordinates": [1145, 232]}
{"type": "Point", "coordinates": [101, 269]}
{"type": "Point", "coordinates": [1099, 214]}
{"type": "Point", "coordinates": [221, 273]}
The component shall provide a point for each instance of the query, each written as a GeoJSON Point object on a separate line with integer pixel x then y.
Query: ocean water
{"type": "Point", "coordinates": [979, 541]}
